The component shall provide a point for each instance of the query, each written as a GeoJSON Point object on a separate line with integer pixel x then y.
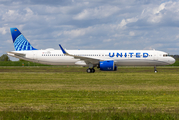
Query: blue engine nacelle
{"type": "Point", "coordinates": [107, 65]}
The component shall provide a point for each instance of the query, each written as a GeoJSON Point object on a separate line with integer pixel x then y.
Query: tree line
{"type": "Point", "coordinates": [5, 57]}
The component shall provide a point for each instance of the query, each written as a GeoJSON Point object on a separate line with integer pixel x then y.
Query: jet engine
{"type": "Point", "coordinates": [107, 65]}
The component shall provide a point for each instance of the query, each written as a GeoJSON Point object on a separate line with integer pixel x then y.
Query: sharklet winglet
{"type": "Point", "coordinates": [64, 52]}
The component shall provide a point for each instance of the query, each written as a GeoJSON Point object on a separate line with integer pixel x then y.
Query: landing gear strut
{"type": "Point", "coordinates": [155, 69]}
{"type": "Point", "coordinates": [90, 70]}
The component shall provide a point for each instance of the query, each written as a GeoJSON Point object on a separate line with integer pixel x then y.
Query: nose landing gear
{"type": "Point", "coordinates": [155, 69]}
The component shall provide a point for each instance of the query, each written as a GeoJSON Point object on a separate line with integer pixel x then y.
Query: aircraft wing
{"type": "Point", "coordinates": [87, 60]}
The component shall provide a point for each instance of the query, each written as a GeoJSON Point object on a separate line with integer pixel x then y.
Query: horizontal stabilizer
{"type": "Point", "coordinates": [16, 54]}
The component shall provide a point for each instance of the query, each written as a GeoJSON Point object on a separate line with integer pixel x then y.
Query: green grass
{"type": "Point", "coordinates": [112, 115]}
{"type": "Point", "coordinates": [70, 93]}
{"type": "Point", "coordinates": [20, 63]}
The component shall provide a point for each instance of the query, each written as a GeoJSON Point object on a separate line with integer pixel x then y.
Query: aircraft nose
{"type": "Point", "coordinates": [172, 60]}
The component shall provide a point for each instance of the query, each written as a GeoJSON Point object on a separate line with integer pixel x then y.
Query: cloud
{"type": "Point", "coordinates": [131, 33]}
{"type": "Point", "coordinates": [3, 30]}
{"type": "Point", "coordinates": [9, 41]}
{"type": "Point", "coordinates": [39, 2]}
{"type": "Point", "coordinates": [156, 14]}
{"type": "Point", "coordinates": [96, 13]}
{"type": "Point", "coordinates": [74, 33]}
{"type": "Point", "coordinates": [107, 40]}
{"type": "Point", "coordinates": [124, 22]}
{"type": "Point", "coordinates": [164, 13]}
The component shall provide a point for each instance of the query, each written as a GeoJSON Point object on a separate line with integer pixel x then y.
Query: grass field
{"type": "Point", "coordinates": [47, 92]}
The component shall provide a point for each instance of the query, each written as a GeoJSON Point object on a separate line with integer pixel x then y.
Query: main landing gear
{"type": "Point", "coordinates": [90, 70]}
{"type": "Point", "coordinates": [155, 69]}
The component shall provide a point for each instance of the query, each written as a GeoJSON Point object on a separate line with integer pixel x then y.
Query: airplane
{"type": "Point", "coordinates": [105, 60]}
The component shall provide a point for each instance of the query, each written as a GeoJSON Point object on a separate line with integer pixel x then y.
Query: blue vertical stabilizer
{"type": "Point", "coordinates": [20, 42]}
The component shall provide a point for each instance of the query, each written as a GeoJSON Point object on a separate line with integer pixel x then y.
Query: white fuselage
{"type": "Point", "coordinates": [120, 57]}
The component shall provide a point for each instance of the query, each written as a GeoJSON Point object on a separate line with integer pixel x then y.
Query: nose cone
{"type": "Point", "coordinates": [171, 60]}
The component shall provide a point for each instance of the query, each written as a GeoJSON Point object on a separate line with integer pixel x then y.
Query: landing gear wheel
{"type": "Point", "coordinates": [93, 70]}
{"type": "Point", "coordinates": [90, 70]}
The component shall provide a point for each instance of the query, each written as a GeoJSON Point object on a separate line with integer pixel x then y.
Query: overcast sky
{"type": "Point", "coordinates": [92, 24]}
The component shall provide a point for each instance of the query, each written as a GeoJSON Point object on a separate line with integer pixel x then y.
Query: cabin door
{"type": "Point", "coordinates": [35, 56]}
{"type": "Point", "coordinates": [155, 57]}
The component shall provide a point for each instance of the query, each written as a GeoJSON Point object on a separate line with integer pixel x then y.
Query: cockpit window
{"type": "Point", "coordinates": [165, 55]}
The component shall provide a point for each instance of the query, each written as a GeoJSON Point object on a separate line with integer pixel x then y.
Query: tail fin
{"type": "Point", "coordinates": [20, 42]}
